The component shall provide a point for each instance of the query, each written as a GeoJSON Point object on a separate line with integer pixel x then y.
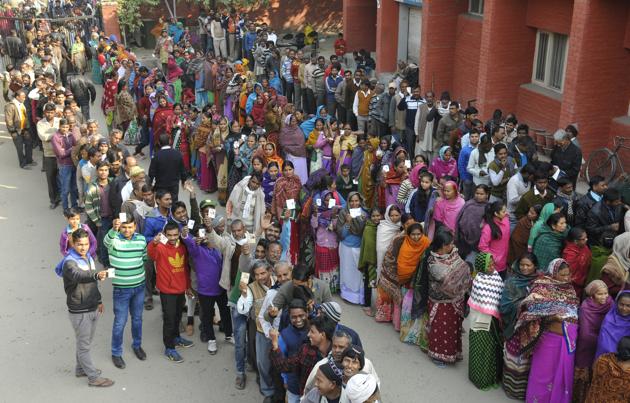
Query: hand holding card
{"type": "Point", "coordinates": [122, 217]}
{"type": "Point", "coordinates": [290, 204]}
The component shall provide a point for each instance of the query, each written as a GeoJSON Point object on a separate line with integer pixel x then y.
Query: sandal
{"type": "Point", "coordinates": [368, 311]}
{"type": "Point", "coordinates": [101, 382]}
{"type": "Point", "coordinates": [148, 304]}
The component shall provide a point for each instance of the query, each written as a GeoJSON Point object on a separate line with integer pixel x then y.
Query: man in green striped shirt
{"type": "Point", "coordinates": [127, 254]}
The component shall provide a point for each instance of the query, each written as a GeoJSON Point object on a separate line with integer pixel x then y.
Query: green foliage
{"type": "Point", "coordinates": [129, 13]}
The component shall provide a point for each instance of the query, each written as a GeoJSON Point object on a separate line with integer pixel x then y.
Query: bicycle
{"type": "Point", "coordinates": [606, 163]}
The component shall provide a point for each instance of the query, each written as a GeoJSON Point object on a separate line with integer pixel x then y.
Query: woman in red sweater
{"type": "Point", "coordinates": [578, 255]}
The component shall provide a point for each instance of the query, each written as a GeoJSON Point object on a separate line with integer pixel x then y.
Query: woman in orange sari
{"type": "Point", "coordinates": [271, 154]}
{"type": "Point", "coordinates": [160, 25]}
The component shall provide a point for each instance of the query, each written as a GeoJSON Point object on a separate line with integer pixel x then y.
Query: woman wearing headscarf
{"type": "Point", "coordinates": [233, 144]}
{"type": "Point", "coordinates": [468, 229]}
{"type": "Point", "coordinates": [547, 328]}
{"type": "Point", "coordinates": [549, 242]}
{"type": "Point", "coordinates": [592, 312]}
{"type": "Point", "coordinates": [97, 74]}
{"type": "Point", "coordinates": [392, 179]}
{"type": "Point", "coordinates": [273, 120]}
{"type": "Point", "coordinates": [288, 187]}
{"type": "Point", "coordinates": [344, 144]}
{"type": "Point", "coordinates": [178, 126]}
{"type": "Point", "coordinates": [125, 110]}
{"type": "Point", "coordinates": [578, 255]}
{"type": "Point", "coordinates": [220, 158]}
{"type": "Point", "coordinates": [485, 342]}
{"type": "Point", "coordinates": [350, 224]}
{"type": "Point", "coordinates": [78, 55]}
{"type": "Point", "coordinates": [108, 102]}
{"type": "Point", "coordinates": [162, 112]}
{"type": "Point", "coordinates": [446, 209]}
{"type": "Point", "coordinates": [615, 271]}
{"type": "Point", "coordinates": [308, 125]}
{"type": "Point", "coordinates": [516, 289]}
{"type": "Point", "coordinates": [270, 177]}
{"type": "Point", "coordinates": [616, 325]}
{"type": "Point", "coordinates": [611, 376]}
{"type": "Point", "coordinates": [410, 185]}
{"type": "Point", "coordinates": [521, 232]}
{"type": "Point", "coordinates": [546, 212]}
{"type": "Point", "coordinates": [387, 230]}
{"type": "Point", "coordinates": [292, 145]}
{"type": "Point", "coordinates": [443, 287]}
{"type": "Point", "coordinates": [444, 164]}
{"type": "Point", "coordinates": [174, 72]}
{"type": "Point", "coordinates": [367, 174]}
{"type": "Point", "coordinates": [367, 258]}
{"type": "Point", "coordinates": [207, 175]}
{"type": "Point", "coordinates": [323, 222]}
{"type": "Point", "coordinates": [271, 155]}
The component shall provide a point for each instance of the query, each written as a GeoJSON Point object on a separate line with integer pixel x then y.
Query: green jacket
{"type": "Point", "coordinates": [548, 246]}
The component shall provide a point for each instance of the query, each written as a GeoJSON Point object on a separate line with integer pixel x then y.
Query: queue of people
{"type": "Point", "coordinates": [406, 205]}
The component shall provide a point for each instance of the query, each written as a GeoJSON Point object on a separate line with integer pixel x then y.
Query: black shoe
{"type": "Point", "coordinates": [268, 399]}
{"type": "Point", "coordinates": [26, 167]}
{"type": "Point", "coordinates": [118, 362]}
{"type": "Point", "coordinates": [139, 352]}
{"type": "Point", "coordinates": [52, 206]}
{"type": "Point", "coordinates": [80, 209]}
{"type": "Point", "coordinates": [203, 337]}
{"type": "Point", "coordinates": [32, 164]}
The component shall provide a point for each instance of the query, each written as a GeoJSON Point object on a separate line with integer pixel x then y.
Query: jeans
{"type": "Point", "coordinates": [292, 397]}
{"type": "Point", "coordinates": [468, 189]}
{"type": "Point", "coordinates": [24, 147]}
{"type": "Point", "coordinates": [171, 316]}
{"type": "Point", "coordinates": [207, 314]}
{"type": "Point", "coordinates": [103, 229]}
{"type": "Point", "coordinates": [52, 179]}
{"type": "Point", "coordinates": [85, 110]}
{"type": "Point", "coordinates": [239, 323]}
{"type": "Point", "coordinates": [129, 300]}
{"type": "Point", "coordinates": [263, 362]}
{"type": "Point", "coordinates": [68, 181]}
{"type": "Point", "coordinates": [297, 95]}
{"type": "Point", "coordinates": [84, 325]}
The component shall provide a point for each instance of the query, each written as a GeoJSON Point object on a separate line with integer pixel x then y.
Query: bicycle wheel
{"type": "Point", "coordinates": [601, 162]}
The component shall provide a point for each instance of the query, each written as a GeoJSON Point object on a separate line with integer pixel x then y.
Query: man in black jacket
{"type": "Point", "coordinates": [596, 188]}
{"type": "Point", "coordinates": [566, 155]}
{"type": "Point", "coordinates": [167, 168]}
{"type": "Point", "coordinates": [84, 93]}
{"type": "Point", "coordinates": [80, 282]}
{"type": "Point", "coordinates": [603, 222]}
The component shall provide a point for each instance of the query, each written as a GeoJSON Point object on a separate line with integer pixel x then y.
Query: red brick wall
{"type": "Point", "coordinates": [537, 110]}
{"type": "Point", "coordinates": [439, 35]}
{"type": "Point", "coordinates": [359, 24]}
{"type": "Point", "coordinates": [386, 36]}
{"type": "Point", "coordinates": [506, 51]}
{"type": "Point", "coordinates": [466, 64]}
{"type": "Point", "coordinates": [596, 80]}
{"type": "Point", "coordinates": [110, 19]}
{"type": "Point", "coordinates": [626, 42]}
{"type": "Point", "coordinates": [550, 15]}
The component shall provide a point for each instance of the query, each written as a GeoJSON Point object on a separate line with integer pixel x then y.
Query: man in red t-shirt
{"type": "Point", "coordinates": [340, 47]}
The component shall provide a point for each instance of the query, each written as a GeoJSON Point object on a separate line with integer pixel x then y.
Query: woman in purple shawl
{"type": "Point", "coordinates": [444, 164]}
{"type": "Point", "coordinates": [592, 312]}
{"type": "Point", "coordinates": [616, 325]}
{"type": "Point", "coordinates": [468, 230]}
{"type": "Point", "coordinates": [292, 145]}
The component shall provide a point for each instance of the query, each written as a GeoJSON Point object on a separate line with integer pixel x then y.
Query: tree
{"type": "Point", "coordinates": [129, 16]}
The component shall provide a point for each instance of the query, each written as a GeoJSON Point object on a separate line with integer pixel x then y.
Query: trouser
{"type": "Point", "coordinates": [320, 99]}
{"type": "Point", "coordinates": [352, 119]}
{"type": "Point", "coordinates": [203, 39]}
{"type": "Point", "coordinates": [84, 325]}
{"type": "Point", "coordinates": [468, 189]}
{"type": "Point", "coordinates": [171, 316]}
{"type": "Point", "coordinates": [85, 110]}
{"type": "Point", "coordinates": [24, 146]}
{"type": "Point", "coordinates": [289, 89]}
{"type": "Point", "coordinates": [103, 229]}
{"type": "Point", "coordinates": [297, 95]}
{"type": "Point", "coordinates": [52, 179]}
{"type": "Point", "coordinates": [513, 221]}
{"type": "Point", "coordinates": [331, 106]}
{"type": "Point", "coordinates": [232, 46]}
{"type": "Point", "coordinates": [367, 291]}
{"type": "Point", "coordinates": [190, 309]}
{"type": "Point", "coordinates": [342, 113]}
{"type": "Point", "coordinates": [409, 141]}
{"type": "Point", "coordinates": [263, 348]}
{"type": "Point", "coordinates": [239, 323]}
{"type": "Point", "coordinates": [207, 314]}
{"type": "Point", "coordinates": [379, 129]}
{"type": "Point", "coordinates": [309, 101]}
{"type": "Point", "coordinates": [220, 47]}
{"type": "Point", "coordinates": [68, 183]}
{"type": "Point", "coordinates": [209, 44]}
{"type": "Point", "coordinates": [362, 123]}
{"type": "Point", "coordinates": [292, 397]}
{"type": "Point", "coordinates": [127, 301]}
{"type": "Point", "coordinates": [144, 138]}
{"type": "Point", "coordinates": [149, 278]}
{"type": "Point", "coordinates": [251, 343]}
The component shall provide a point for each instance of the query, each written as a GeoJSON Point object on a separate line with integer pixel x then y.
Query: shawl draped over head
{"type": "Point", "coordinates": [621, 258]}
{"type": "Point", "coordinates": [409, 256]}
{"type": "Point", "coordinates": [446, 211]}
{"type": "Point", "coordinates": [449, 277]}
{"type": "Point", "coordinates": [268, 185]}
{"type": "Point", "coordinates": [545, 213]}
{"type": "Point", "coordinates": [469, 221]}
{"type": "Point", "coordinates": [486, 288]}
{"type": "Point", "coordinates": [286, 188]}
{"type": "Point", "coordinates": [309, 124]}
{"type": "Point", "coordinates": [292, 140]}
{"type": "Point", "coordinates": [357, 224]}
{"type": "Point", "coordinates": [549, 298]}
{"type": "Point", "coordinates": [515, 290]}
{"type": "Point", "coordinates": [439, 167]}
{"type": "Point", "coordinates": [414, 175]}
{"type": "Point", "coordinates": [173, 70]}
{"type": "Point", "coordinates": [614, 327]}
{"type": "Point", "coordinates": [385, 233]}
{"type": "Point", "coordinates": [591, 315]}
{"type": "Point", "coordinates": [274, 158]}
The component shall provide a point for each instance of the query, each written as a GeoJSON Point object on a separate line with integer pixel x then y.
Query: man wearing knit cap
{"type": "Point", "coordinates": [333, 311]}
{"type": "Point", "coordinates": [362, 388]}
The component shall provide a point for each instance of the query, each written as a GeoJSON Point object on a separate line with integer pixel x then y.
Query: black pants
{"type": "Point", "coordinates": [149, 275]}
{"type": "Point", "coordinates": [50, 167]}
{"type": "Point", "coordinates": [352, 119]}
{"type": "Point", "coordinates": [251, 343]}
{"type": "Point", "coordinates": [367, 291]}
{"type": "Point", "coordinates": [288, 91]}
{"type": "Point", "coordinates": [309, 105]}
{"type": "Point", "coordinates": [144, 138]}
{"type": "Point", "coordinates": [24, 147]}
{"type": "Point", "coordinates": [342, 114]}
{"type": "Point", "coordinates": [207, 314]}
{"type": "Point", "coordinates": [85, 110]}
{"type": "Point", "coordinates": [171, 316]}
{"type": "Point", "coordinates": [409, 141]}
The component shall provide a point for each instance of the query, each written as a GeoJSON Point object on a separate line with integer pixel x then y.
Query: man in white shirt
{"type": "Point", "coordinates": [218, 37]}
{"type": "Point", "coordinates": [46, 129]}
{"type": "Point", "coordinates": [517, 186]}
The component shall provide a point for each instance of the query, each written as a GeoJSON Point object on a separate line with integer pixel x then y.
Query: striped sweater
{"type": "Point", "coordinates": [127, 256]}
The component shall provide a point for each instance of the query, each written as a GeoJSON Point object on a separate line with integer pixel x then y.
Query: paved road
{"type": "Point", "coordinates": [38, 341]}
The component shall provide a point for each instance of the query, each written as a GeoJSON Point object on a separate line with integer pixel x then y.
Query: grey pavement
{"type": "Point", "coordinates": [37, 340]}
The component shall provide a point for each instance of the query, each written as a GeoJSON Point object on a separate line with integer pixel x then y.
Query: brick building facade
{"type": "Point", "coordinates": [552, 62]}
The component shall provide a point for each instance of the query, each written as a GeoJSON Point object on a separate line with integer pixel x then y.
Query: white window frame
{"type": "Point", "coordinates": [478, 12]}
{"type": "Point", "coordinates": [548, 57]}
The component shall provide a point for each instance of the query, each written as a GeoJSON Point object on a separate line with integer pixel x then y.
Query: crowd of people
{"type": "Point", "coordinates": [333, 183]}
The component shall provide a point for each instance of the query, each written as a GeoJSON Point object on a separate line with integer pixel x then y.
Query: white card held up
{"type": "Point", "coordinates": [245, 278]}
{"type": "Point", "coordinates": [244, 137]}
{"type": "Point", "coordinates": [331, 203]}
{"type": "Point", "coordinates": [408, 163]}
{"type": "Point", "coordinates": [202, 232]}
{"type": "Point", "coordinates": [191, 224]}
{"type": "Point", "coordinates": [355, 212]}
{"type": "Point", "coordinates": [354, 181]}
{"type": "Point", "coordinates": [235, 145]}
{"type": "Point", "coordinates": [290, 204]}
{"type": "Point", "coordinates": [111, 273]}
{"type": "Point", "coordinates": [122, 217]}
{"type": "Point", "coordinates": [163, 239]}
{"type": "Point", "coordinates": [212, 213]}
{"type": "Point", "coordinates": [318, 202]}
{"type": "Point", "coordinates": [385, 168]}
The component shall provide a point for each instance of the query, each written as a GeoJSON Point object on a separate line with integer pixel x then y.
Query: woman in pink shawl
{"type": "Point", "coordinates": [444, 164]}
{"type": "Point", "coordinates": [446, 209]}
{"type": "Point", "coordinates": [292, 145]}
{"type": "Point", "coordinates": [592, 312]}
